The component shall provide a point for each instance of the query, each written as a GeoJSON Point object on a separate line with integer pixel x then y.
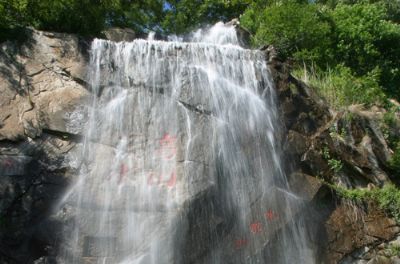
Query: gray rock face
{"type": "Point", "coordinates": [41, 83]}
{"type": "Point", "coordinates": [42, 114]}
{"type": "Point", "coordinates": [119, 34]}
{"type": "Point", "coordinates": [174, 145]}
{"type": "Point", "coordinates": [242, 34]}
{"type": "Point", "coordinates": [44, 90]}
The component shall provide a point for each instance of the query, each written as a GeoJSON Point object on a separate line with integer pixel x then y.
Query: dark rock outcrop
{"type": "Point", "coordinates": [345, 148]}
{"type": "Point", "coordinates": [242, 34]}
{"type": "Point", "coordinates": [43, 89]}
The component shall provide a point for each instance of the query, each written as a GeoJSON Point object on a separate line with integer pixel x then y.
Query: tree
{"type": "Point", "coordinates": [185, 15]}
{"type": "Point", "coordinates": [13, 13]}
{"type": "Point", "coordinates": [87, 17]}
{"type": "Point", "coordinates": [366, 40]}
{"type": "Point", "coordinates": [296, 29]}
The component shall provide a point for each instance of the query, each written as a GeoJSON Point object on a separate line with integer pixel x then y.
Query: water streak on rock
{"type": "Point", "coordinates": [181, 163]}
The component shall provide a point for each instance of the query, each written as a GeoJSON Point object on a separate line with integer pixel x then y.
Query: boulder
{"type": "Point", "coordinates": [243, 34]}
{"type": "Point", "coordinates": [42, 83]}
{"type": "Point", "coordinates": [43, 91]}
{"type": "Point", "coordinates": [119, 34]}
{"type": "Point", "coordinates": [350, 228]}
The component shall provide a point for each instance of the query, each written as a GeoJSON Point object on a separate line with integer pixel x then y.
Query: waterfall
{"type": "Point", "coordinates": [181, 162]}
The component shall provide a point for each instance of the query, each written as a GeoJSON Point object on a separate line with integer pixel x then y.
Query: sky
{"type": "Point", "coordinates": [167, 6]}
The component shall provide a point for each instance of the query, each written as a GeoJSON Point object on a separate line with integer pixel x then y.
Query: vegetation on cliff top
{"type": "Point", "coordinates": [89, 17]}
{"type": "Point", "coordinates": [387, 197]}
{"type": "Point", "coordinates": [348, 49]}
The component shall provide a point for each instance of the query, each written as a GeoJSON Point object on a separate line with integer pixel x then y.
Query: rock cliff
{"type": "Point", "coordinates": [43, 87]}
{"type": "Point", "coordinates": [346, 149]}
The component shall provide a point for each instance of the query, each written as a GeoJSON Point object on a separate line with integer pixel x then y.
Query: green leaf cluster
{"type": "Point", "coordinates": [86, 17]}
{"type": "Point", "coordinates": [387, 197]}
{"type": "Point", "coordinates": [298, 30]}
{"type": "Point", "coordinates": [395, 160]}
{"type": "Point", "coordinates": [354, 43]}
{"type": "Point", "coordinates": [334, 164]}
{"type": "Point", "coordinates": [89, 17]}
{"type": "Point", "coordinates": [185, 15]}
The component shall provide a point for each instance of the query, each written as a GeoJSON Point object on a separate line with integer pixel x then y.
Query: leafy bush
{"type": "Point", "coordinates": [334, 164]}
{"type": "Point", "coordinates": [185, 15]}
{"type": "Point", "coordinates": [357, 195]}
{"type": "Point", "coordinates": [389, 199]}
{"type": "Point", "coordinates": [348, 41]}
{"type": "Point", "coordinates": [395, 160]}
{"type": "Point", "coordinates": [296, 29]}
{"type": "Point", "coordinates": [367, 40]}
{"type": "Point", "coordinates": [87, 17]}
{"type": "Point", "coordinates": [393, 250]}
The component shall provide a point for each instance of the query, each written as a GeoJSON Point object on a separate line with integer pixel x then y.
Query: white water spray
{"type": "Point", "coordinates": [180, 159]}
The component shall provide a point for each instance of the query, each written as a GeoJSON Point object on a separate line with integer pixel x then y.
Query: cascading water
{"type": "Point", "coordinates": [180, 162]}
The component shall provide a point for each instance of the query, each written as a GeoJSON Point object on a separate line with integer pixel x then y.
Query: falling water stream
{"type": "Point", "coordinates": [180, 162]}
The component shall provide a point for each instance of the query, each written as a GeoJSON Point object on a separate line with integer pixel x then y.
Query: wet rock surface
{"type": "Point", "coordinates": [347, 149]}
{"type": "Point", "coordinates": [43, 87]}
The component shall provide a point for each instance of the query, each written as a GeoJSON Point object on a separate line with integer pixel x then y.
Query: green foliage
{"type": "Point", "coordinates": [357, 195]}
{"type": "Point", "coordinates": [85, 17]}
{"type": "Point", "coordinates": [393, 250]}
{"type": "Point", "coordinates": [186, 15]}
{"type": "Point", "coordinates": [352, 43]}
{"type": "Point", "coordinates": [395, 160]}
{"type": "Point", "coordinates": [89, 17]}
{"type": "Point", "coordinates": [341, 87]}
{"type": "Point", "coordinates": [392, 6]}
{"type": "Point", "coordinates": [13, 13]}
{"type": "Point", "coordinates": [356, 34]}
{"type": "Point", "coordinates": [334, 164]}
{"type": "Point", "coordinates": [389, 127]}
{"type": "Point", "coordinates": [334, 132]}
{"type": "Point", "coordinates": [296, 29]}
{"type": "Point", "coordinates": [387, 198]}
{"type": "Point", "coordinates": [142, 15]}
{"type": "Point", "coordinates": [366, 41]}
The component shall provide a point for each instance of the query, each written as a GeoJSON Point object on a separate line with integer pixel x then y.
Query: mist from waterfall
{"type": "Point", "coordinates": [181, 161]}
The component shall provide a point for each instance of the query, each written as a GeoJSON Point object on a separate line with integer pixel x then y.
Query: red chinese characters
{"type": "Point", "coordinates": [122, 172]}
{"type": "Point", "coordinates": [172, 180]}
{"type": "Point", "coordinates": [270, 215]}
{"type": "Point", "coordinates": [167, 150]}
{"type": "Point", "coordinates": [162, 172]}
{"type": "Point", "coordinates": [256, 227]}
{"type": "Point", "coordinates": [240, 243]}
{"type": "Point", "coordinates": [157, 179]}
